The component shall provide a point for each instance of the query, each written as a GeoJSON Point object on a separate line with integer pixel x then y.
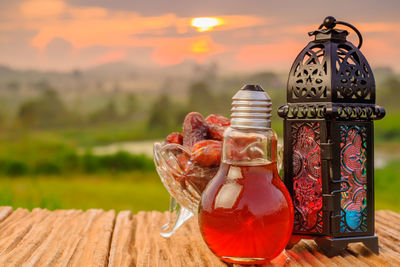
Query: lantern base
{"type": "Point", "coordinates": [332, 246]}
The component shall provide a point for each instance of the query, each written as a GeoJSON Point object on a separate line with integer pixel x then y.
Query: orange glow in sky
{"type": "Point", "coordinates": [204, 24]}
{"type": "Point", "coordinates": [196, 48]}
{"type": "Point", "coordinates": [64, 35]}
{"type": "Point", "coordinates": [201, 46]}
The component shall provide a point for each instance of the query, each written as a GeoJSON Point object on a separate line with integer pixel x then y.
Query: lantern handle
{"type": "Point", "coordinates": [330, 22]}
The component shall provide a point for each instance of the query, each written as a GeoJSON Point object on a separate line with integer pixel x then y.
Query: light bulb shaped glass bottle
{"type": "Point", "coordinates": [246, 213]}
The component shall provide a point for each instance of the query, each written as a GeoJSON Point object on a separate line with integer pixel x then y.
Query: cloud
{"type": "Point", "coordinates": [277, 55]}
{"type": "Point", "coordinates": [175, 51]}
{"type": "Point", "coordinates": [59, 48]}
{"type": "Point", "coordinates": [89, 26]}
{"type": "Point", "coordinates": [42, 8]}
{"type": "Point", "coordinates": [58, 24]}
{"type": "Point", "coordinates": [89, 30]}
{"type": "Point", "coordinates": [233, 22]}
{"type": "Point", "coordinates": [63, 34]}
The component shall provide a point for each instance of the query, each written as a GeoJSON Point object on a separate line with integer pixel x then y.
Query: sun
{"type": "Point", "coordinates": [204, 24]}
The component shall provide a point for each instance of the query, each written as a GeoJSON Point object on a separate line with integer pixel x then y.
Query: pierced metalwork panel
{"type": "Point", "coordinates": [307, 182]}
{"type": "Point", "coordinates": [353, 172]}
{"type": "Point", "coordinates": [355, 79]}
{"type": "Point", "coordinates": [330, 71]}
{"type": "Point", "coordinates": [308, 78]}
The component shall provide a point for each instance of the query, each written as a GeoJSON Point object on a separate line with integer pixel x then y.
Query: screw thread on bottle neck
{"type": "Point", "coordinates": [251, 108]}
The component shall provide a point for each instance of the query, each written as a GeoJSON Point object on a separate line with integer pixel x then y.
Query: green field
{"type": "Point", "coordinates": [387, 185]}
{"type": "Point", "coordinates": [133, 191]}
{"type": "Point", "coordinates": [43, 169]}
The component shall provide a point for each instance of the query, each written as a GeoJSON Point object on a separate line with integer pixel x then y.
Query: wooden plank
{"type": "Point", "coordinates": [389, 221]}
{"type": "Point", "coordinates": [312, 247]}
{"type": "Point", "coordinates": [368, 257]}
{"type": "Point", "coordinates": [136, 242]}
{"type": "Point", "coordinates": [56, 238]}
{"type": "Point", "coordinates": [123, 235]}
{"type": "Point", "coordinates": [93, 243]}
{"type": "Point", "coordinates": [98, 238]}
{"type": "Point", "coordinates": [5, 212]}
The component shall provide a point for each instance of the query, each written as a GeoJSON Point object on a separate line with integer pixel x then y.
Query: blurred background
{"type": "Point", "coordinates": [87, 86]}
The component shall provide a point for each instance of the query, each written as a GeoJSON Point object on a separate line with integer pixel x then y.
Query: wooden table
{"type": "Point", "coordinates": [100, 238]}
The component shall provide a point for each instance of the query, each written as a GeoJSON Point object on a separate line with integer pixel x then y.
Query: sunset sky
{"type": "Point", "coordinates": [248, 35]}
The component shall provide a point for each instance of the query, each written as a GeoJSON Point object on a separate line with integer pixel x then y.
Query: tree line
{"type": "Point", "coordinates": [163, 114]}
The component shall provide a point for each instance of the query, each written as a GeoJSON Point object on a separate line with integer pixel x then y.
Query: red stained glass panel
{"type": "Point", "coordinates": [307, 183]}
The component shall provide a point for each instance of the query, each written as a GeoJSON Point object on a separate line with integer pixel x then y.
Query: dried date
{"type": "Point", "coordinates": [207, 153]}
{"type": "Point", "coordinates": [174, 138]}
{"type": "Point", "coordinates": [194, 129]}
{"type": "Point", "coordinates": [200, 176]}
{"type": "Point", "coordinates": [216, 132]}
{"type": "Point", "coordinates": [218, 120]}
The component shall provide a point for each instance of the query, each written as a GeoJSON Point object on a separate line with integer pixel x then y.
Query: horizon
{"type": "Point", "coordinates": [192, 64]}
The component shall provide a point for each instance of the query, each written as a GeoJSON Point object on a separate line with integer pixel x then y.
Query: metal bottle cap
{"type": "Point", "coordinates": [251, 108]}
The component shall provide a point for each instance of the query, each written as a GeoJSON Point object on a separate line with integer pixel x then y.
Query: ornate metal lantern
{"type": "Point", "coordinates": [329, 141]}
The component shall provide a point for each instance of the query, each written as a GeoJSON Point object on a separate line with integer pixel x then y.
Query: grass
{"type": "Point", "coordinates": [387, 187]}
{"type": "Point", "coordinates": [388, 129]}
{"type": "Point", "coordinates": [133, 191]}
{"type": "Point", "coordinates": [107, 133]}
{"type": "Point", "coordinates": [50, 153]}
{"type": "Point", "coordinates": [85, 135]}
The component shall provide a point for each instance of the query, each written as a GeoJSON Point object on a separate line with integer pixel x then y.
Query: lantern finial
{"type": "Point", "coordinates": [329, 22]}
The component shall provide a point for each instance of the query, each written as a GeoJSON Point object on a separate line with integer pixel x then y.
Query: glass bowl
{"type": "Point", "coordinates": [184, 180]}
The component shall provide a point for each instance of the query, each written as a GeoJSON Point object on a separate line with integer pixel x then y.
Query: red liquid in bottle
{"type": "Point", "coordinates": [246, 214]}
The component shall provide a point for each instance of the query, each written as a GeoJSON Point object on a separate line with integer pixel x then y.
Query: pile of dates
{"type": "Point", "coordinates": [202, 141]}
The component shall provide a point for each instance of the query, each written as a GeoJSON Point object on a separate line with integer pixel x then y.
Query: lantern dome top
{"type": "Point", "coordinates": [330, 72]}
{"type": "Point", "coordinates": [331, 69]}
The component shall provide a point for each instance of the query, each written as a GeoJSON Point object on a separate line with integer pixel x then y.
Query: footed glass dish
{"type": "Point", "coordinates": [184, 180]}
